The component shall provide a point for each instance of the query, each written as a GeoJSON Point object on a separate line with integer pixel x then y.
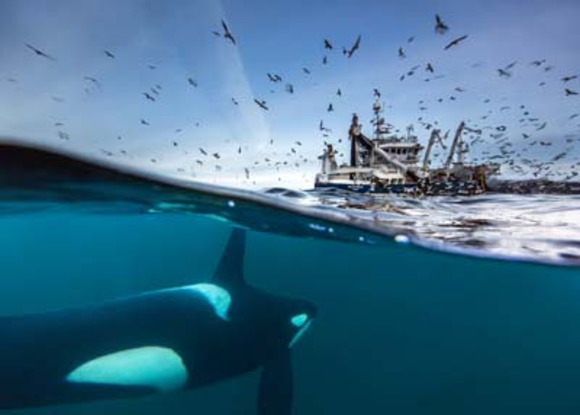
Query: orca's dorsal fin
{"type": "Point", "coordinates": [230, 270]}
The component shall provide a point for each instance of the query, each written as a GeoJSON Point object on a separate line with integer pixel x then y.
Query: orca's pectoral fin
{"type": "Point", "coordinates": [276, 386]}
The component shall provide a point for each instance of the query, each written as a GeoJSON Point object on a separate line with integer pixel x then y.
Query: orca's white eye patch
{"type": "Point", "coordinates": [299, 320]}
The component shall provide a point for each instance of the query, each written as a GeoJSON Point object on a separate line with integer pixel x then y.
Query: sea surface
{"type": "Point", "coordinates": [425, 306]}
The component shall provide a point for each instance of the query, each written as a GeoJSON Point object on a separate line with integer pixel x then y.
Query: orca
{"type": "Point", "coordinates": [163, 341]}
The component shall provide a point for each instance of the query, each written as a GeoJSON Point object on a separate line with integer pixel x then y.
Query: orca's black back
{"type": "Point", "coordinates": [37, 352]}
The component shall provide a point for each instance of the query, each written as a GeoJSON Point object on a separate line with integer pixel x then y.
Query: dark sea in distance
{"type": "Point", "coordinates": [401, 329]}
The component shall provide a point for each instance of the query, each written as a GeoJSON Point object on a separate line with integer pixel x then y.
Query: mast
{"type": "Point", "coordinates": [434, 136]}
{"type": "Point", "coordinates": [456, 139]}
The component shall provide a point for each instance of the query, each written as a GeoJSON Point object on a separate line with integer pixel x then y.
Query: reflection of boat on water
{"type": "Point", "coordinates": [389, 164]}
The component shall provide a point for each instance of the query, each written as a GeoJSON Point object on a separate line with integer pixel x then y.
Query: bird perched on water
{"type": "Point", "coordinates": [261, 104]}
{"type": "Point", "coordinates": [227, 34]}
{"type": "Point", "coordinates": [570, 92]}
{"type": "Point", "coordinates": [455, 42]}
{"type": "Point", "coordinates": [440, 27]}
{"type": "Point", "coordinates": [40, 53]}
{"type": "Point", "coordinates": [354, 47]}
{"type": "Point", "coordinates": [327, 44]}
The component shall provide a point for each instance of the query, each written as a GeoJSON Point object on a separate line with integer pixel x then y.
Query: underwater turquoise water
{"type": "Point", "coordinates": [400, 329]}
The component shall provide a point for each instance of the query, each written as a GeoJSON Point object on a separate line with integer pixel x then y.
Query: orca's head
{"type": "Point", "coordinates": [286, 319]}
{"type": "Point", "coordinates": [271, 320]}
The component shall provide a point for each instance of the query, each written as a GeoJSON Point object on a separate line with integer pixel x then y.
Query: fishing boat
{"type": "Point", "coordinates": [389, 163]}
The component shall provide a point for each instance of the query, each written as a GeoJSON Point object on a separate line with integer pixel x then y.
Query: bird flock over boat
{"type": "Point", "coordinates": [499, 140]}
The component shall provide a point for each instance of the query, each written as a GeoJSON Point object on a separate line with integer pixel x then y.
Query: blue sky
{"type": "Point", "coordinates": [40, 98]}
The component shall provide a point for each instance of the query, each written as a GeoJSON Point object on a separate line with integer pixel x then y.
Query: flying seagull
{"type": "Point", "coordinates": [440, 27]}
{"type": "Point", "coordinates": [149, 97]}
{"type": "Point", "coordinates": [39, 52]}
{"type": "Point", "coordinates": [456, 42]}
{"type": "Point", "coordinates": [354, 47]}
{"type": "Point", "coordinates": [327, 44]}
{"type": "Point", "coordinates": [227, 33]}
{"type": "Point", "coordinates": [261, 104]}
{"type": "Point", "coordinates": [109, 54]}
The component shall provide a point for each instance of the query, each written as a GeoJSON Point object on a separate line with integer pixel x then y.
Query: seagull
{"type": "Point", "coordinates": [39, 52]}
{"type": "Point", "coordinates": [321, 127]}
{"type": "Point", "coordinates": [202, 151]}
{"type": "Point", "coordinates": [538, 63]}
{"type": "Point", "coordinates": [109, 54]}
{"type": "Point", "coordinates": [327, 44]}
{"type": "Point", "coordinates": [330, 108]}
{"type": "Point", "coordinates": [93, 80]}
{"type": "Point", "coordinates": [354, 47]}
{"type": "Point", "coordinates": [306, 71]}
{"type": "Point", "coordinates": [192, 82]}
{"type": "Point", "coordinates": [570, 92]}
{"type": "Point", "coordinates": [503, 72]}
{"type": "Point", "coordinates": [456, 42]}
{"type": "Point", "coordinates": [324, 60]}
{"type": "Point", "coordinates": [429, 68]}
{"type": "Point", "coordinates": [376, 93]}
{"type": "Point", "coordinates": [569, 78]}
{"type": "Point", "coordinates": [440, 27]}
{"type": "Point", "coordinates": [234, 101]}
{"type": "Point", "coordinates": [227, 33]}
{"type": "Point", "coordinates": [339, 92]}
{"type": "Point", "coordinates": [144, 122]}
{"type": "Point", "coordinates": [289, 88]}
{"type": "Point", "coordinates": [149, 97]}
{"type": "Point", "coordinates": [402, 53]}
{"type": "Point", "coordinates": [261, 104]}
